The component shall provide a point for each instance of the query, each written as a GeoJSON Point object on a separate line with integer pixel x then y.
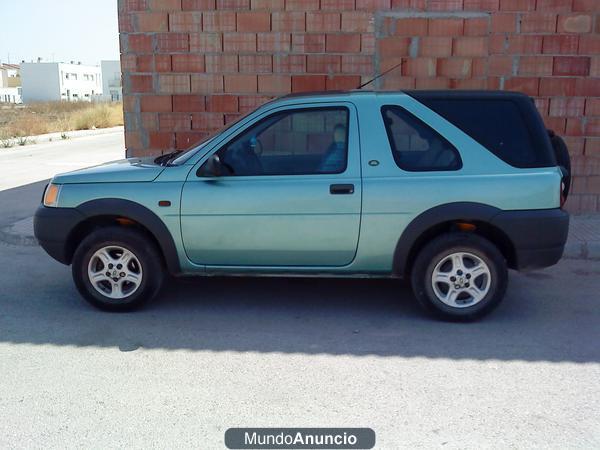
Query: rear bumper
{"type": "Point", "coordinates": [538, 236]}
{"type": "Point", "coordinates": [52, 226]}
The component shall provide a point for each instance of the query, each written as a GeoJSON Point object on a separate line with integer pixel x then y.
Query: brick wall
{"type": "Point", "coordinates": [191, 66]}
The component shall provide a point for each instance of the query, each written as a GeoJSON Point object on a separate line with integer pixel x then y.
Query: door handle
{"type": "Point", "coordinates": [339, 189]}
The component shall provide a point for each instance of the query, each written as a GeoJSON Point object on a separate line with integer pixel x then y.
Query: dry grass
{"type": "Point", "coordinates": [40, 118]}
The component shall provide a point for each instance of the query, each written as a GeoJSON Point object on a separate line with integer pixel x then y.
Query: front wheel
{"type": "Point", "coordinates": [459, 276]}
{"type": "Point", "coordinates": [117, 269]}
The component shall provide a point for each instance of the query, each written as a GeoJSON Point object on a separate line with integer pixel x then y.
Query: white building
{"type": "Point", "coordinates": [111, 81]}
{"type": "Point", "coordinates": [10, 84]}
{"type": "Point", "coordinates": [52, 81]}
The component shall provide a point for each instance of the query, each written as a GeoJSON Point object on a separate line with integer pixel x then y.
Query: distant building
{"type": "Point", "coordinates": [10, 83]}
{"type": "Point", "coordinates": [111, 81]}
{"type": "Point", "coordinates": [53, 81]}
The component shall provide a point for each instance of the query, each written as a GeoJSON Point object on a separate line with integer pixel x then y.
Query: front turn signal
{"type": "Point", "coordinates": [51, 195]}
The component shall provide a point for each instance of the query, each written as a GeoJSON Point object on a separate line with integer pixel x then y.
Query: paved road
{"type": "Point", "coordinates": [217, 353]}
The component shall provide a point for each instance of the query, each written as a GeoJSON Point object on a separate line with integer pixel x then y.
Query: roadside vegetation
{"type": "Point", "coordinates": [19, 122]}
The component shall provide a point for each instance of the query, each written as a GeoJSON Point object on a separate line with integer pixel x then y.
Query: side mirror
{"type": "Point", "coordinates": [212, 167]}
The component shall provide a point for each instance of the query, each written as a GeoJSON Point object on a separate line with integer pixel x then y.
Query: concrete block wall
{"type": "Point", "coordinates": [191, 66]}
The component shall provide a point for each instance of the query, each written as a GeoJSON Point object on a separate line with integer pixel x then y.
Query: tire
{"type": "Point", "coordinates": [473, 292]}
{"type": "Point", "coordinates": [129, 284]}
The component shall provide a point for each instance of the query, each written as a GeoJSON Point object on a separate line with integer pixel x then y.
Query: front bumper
{"type": "Point", "coordinates": [538, 236]}
{"type": "Point", "coordinates": [52, 228]}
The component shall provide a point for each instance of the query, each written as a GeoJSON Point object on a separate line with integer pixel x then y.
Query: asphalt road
{"type": "Point", "coordinates": [217, 353]}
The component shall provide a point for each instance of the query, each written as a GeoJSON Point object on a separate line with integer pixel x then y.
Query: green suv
{"type": "Point", "coordinates": [448, 189]}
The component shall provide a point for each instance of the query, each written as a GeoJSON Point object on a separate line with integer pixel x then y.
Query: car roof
{"type": "Point", "coordinates": [438, 94]}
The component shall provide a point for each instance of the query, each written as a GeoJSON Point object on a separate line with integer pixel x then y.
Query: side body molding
{"type": "Point", "coordinates": [140, 214]}
{"type": "Point", "coordinates": [468, 211]}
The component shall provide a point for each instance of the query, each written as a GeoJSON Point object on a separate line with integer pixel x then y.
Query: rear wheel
{"type": "Point", "coordinates": [117, 269]}
{"type": "Point", "coordinates": [459, 276]}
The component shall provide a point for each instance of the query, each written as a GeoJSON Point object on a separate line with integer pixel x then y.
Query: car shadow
{"type": "Point", "coordinates": [540, 320]}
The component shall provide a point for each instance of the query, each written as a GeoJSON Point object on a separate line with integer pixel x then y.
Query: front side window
{"type": "Point", "coordinates": [415, 145]}
{"type": "Point", "coordinates": [297, 142]}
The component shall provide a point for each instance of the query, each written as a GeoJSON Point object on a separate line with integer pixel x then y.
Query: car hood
{"type": "Point", "coordinates": [123, 171]}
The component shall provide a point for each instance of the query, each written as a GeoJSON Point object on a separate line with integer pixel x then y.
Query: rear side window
{"type": "Point", "coordinates": [416, 146]}
{"type": "Point", "coordinates": [498, 125]}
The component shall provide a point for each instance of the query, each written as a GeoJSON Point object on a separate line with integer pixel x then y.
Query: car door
{"type": "Point", "coordinates": [291, 194]}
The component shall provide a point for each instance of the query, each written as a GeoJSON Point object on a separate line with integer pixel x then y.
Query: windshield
{"type": "Point", "coordinates": [187, 154]}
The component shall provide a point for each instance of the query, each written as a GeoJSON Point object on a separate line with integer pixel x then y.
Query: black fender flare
{"type": "Point", "coordinates": [467, 211]}
{"type": "Point", "coordinates": [140, 214]}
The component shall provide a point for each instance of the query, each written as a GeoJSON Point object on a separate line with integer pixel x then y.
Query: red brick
{"type": "Point", "coordinates": [500, 65]}
{"type": "Point", "coordinates": [481, 5]}
{"type": "Point", "coordinates": [445, 27]}
{"type": "Point", "coordinates": [576, 145]}
{"type": "Point", "coordinates": [161, 141]}
{"type": "Point", "coordinates": [220, 21]}
{"type": "Point", "coordinates": [592, 146]}
{"type": "Point", "coordinates": [469, 83]}
{"type": "Point", "coordinates": [588, 87]}
{"type": "Point", "coordinates": [308, 43]}
{"type": "Point", "coordinates": [589, 44]}
{"type": "Point", "coordinates": [173, 42]}
{"type": "Point", "coordinates": [239, 42]}
{"type": "Point", "coordinates": [574, 127]}
{"type": "Point", "coordinates": [276, 84]}
{"type": "Point", "coordinates": [414, 26]}
{"type": "Point", "coordinates": [141, 83]}
{"type": "Point", "coordinates": [554, 5]}
{"type": "Point", "coordinates": [470, 46]}
{"type": "Point", "coordinates": [342, 82]}
{"type": "Point", "coordinates": [125, 22]}
{"type": "Point", "coordinates": [251, 102]}
{"type": "Point", "coordinates": [517, 5]}
{"type": "Point", "coordinates": [205, 42]}
{"type": "Point", "coordinates": [323, 63]}
{"type": "Point", "coordinates": [139, 43]}
{"type": "Point", "coordinates": [343, 43]}
{"type": "Point", "coordinates": [560, 44]}
{"type": "Point", "coordinates": [207, 121]}
{"type": "Point", "coordinates": [241, 83]}
{"type": "Point", "coordinates": [303, 83]}
{"type": "Point", "coordinates": [567, 107]}
{"type": "Point", "coordinates": [571, 65]}
{"type": "Point", "coordinates": [585, 5]}
{"type": "Point", "coordinates": [129, 103]}
{"type": "Point", "coordinates": [538, 22]}
{"type": "Point", "coordinates": [189, 103]}
{"type": "Point", "coordinates": [129, 62]}
{"type": "Point", "coordinates": [221, 63]}
{"type": "Point", "coordinates": [367, 43]}
{"type": "Point", "coordinates": [535, 65]}
{"type": "Point", "coordinates": [396, 82]}
{"type": "Point", "coordinates": [288, 21]}
{"type": "Point", "coordinates": [256, 63]}
{"type": "Point", "coordinates": [289, 63]}
{"type": "Point", "coordinates": [151, 22]}
{"type": "Point", "coordinates": [144, 63]}
{"type": "Point", "coordinates": [525, 45]}
{"type": "Point", "coordinates": [444, 5]}
{"type": "Point", "coordinates": [542, 105]}
{"type": "Point", "coordinates": [164, 5]}
{"type": "Point", "coordinates": [592, 107]}
{"type": "Point", "coordinates": [432, 83]}
{"type": "Point", "coordinates": [274, 42]}
{"type": "Point", "coordinates": [454, 67]}
{"type": "Point", "coordinates": [233, 4]}
{"type": "Point", "coordinates": [575, 23]}
{"type": "Point", "coordinates": [185, 139]}
{"type": "Point", "coordinates": [595, 67]}
{"type": "Point", "coordinates": [222, 103]}
{"type": "Point", "coordinates": [187, 63]}
{"type": "Point", "coordinates": [358, 64]}
{"type": "Point", "coordinates": [270, 5]}
{"type": "Point", "coordinates": [419, 67]}
{"type": "Point", "coordinates": [185, 21]}
{"type": "Point", "coordinates": [198, 5]}
{"type": "Point", "coordinates": [156, 103]}
{"type": "Point", "coordinates": [253, 21]}
{"type": "Point", "coordinates": [174, 121]}
{"type": "Point", "coordinates": [337, 5]}
{"type": "Point", "coordinates": [302, 5]}
{"type": "Point", "coordinates": [476, 27]}
{"type": "Point", "coordinates": [479, 67]}
{"type": "Point", "coordinates": [435, 46]}
{"type": "Point", "coordinates": [320, 21]}
{"type": "Point", "coordinates": [373, 5]}
{"type": "Point", "coordinates": [174, 83]}
{"type": "Point", "coordinates": [162, 63]}
{"type": "Point", "coordinates": [393, 46]}
{"type": "Point", "coordinates": [133, 140]}
{"type": "Point", "coordinates": [565, 87]}
{"type": "Point", "coordinates": [557, 124]}
{"type": "Point", "coordinates": [529, 86]}
{"type": "Point", "coordinates": [504, 23]}
{"type": "Point", "coordinates": [206, 83]}
{"type": "Point", "coordinates": [358, 22]}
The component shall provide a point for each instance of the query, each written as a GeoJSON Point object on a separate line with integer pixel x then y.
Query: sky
{"type": "Point", "coordinates": [59, 30]}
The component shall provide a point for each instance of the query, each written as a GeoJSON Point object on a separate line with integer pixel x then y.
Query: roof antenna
{"type": "Point", "coordinates": [380, 75]}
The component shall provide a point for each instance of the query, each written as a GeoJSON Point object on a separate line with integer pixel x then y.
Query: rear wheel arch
{"type": "Point", "coordinates": [446, 218]}
{"type": "Point", "coordinates": [110, 212]}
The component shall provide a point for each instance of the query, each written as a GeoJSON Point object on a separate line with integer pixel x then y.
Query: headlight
{"type": "Point", "coordinates": [51, 195]}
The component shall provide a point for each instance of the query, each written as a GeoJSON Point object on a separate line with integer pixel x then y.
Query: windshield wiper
{"type": "Point", "coordinates": [165, 159]}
